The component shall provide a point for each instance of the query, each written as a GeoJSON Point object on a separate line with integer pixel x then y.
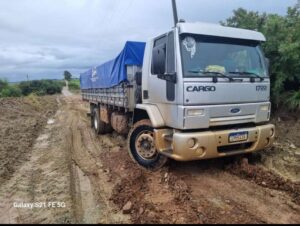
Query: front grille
{"type": "Point", "coordinates": [235, 147]}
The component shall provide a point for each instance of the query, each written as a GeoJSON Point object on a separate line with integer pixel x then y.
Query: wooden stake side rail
{"type": "Point", "coordinates": [118, 96]}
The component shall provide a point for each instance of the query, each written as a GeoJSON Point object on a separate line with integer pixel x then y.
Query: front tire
{"type": "Point", "coordinates": [141, 146]}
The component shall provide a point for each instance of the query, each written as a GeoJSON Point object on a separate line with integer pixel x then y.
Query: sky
{"type": "Point", "coordinates": [43, 38]}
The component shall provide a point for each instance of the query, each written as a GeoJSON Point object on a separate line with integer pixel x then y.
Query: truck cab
{"type": "Point", "coordinates": [205, 93]}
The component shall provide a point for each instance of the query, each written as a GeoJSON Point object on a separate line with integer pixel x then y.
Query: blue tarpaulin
{"type": "Point", "coordinates": [85, 79]}
{"type": "Point", "coordinates": [114, 72]}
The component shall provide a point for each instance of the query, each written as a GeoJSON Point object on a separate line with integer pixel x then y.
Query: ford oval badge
{"type": "Point", "coordinates": [235, 110]}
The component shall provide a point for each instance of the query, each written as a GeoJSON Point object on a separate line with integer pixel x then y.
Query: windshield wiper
{"type": "Point", "coordinates": [248, 73]}
{"type": "Point", "coordinates": [214, 73]}
{"type": "Point", "coordinates": [219, 74]}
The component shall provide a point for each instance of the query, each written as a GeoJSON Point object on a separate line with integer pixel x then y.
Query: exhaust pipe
{"type": "Point", "coordinates": [175, 13]}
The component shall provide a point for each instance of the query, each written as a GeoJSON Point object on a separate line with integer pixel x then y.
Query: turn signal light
{"type": "Point", "coordinates": [265, 108]}
{"type": "Point", "coordinates": [195, 112]}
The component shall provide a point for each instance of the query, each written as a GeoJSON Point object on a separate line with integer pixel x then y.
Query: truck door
{"type": "Point", "coordinates": [162, 90]}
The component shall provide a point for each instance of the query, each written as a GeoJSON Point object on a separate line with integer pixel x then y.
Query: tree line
{"type": "Point", "coordinates": [38, 87]}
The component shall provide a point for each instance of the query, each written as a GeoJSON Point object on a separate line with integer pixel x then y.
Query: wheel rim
{"type": "Point", "coordinates": [145, 145]}
{"type": "Point", "coordinates": [95, 123]}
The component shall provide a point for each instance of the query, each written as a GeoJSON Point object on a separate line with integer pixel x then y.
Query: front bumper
{"type": "Point", "coordinates": [188, 146]}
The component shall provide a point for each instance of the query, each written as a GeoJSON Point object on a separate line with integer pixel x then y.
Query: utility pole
{"type": "Point", "coordinates": [175, 14]}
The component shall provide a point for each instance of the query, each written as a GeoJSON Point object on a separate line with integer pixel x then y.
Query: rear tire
{"type": "Point", "coordinates": [141, 146]}
{"type": "Point", "coordinates": [98, 124]}
{"type": "Point", "coordinates": [92, 116]}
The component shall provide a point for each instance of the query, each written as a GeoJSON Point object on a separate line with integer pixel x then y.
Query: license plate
{"type": "Point", "coordinates": [238, 137]}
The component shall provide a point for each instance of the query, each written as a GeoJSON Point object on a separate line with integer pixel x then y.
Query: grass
{"type": "Point", "coordinates": [74, 85]}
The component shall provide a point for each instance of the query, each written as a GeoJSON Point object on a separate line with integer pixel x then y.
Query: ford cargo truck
{"type": "Point", "coordinates": [199, 91]}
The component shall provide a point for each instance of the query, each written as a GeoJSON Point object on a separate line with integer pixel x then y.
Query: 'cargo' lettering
{"type": "Point", "coordinates": [201, 89]}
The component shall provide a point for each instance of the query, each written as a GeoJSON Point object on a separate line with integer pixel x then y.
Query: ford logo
{"type": "Point", "coordinates": [235, 110]}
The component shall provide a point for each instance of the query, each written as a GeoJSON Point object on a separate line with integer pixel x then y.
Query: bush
{"type": "Point", "coordinates": [42, 87]}
{"type": "Point", "coordinates": [74, 85]}
{"type": "Point", "coordinates": [11, 91]}
{"type": "Point", "coordinates": [293, 100]}
{"type": "Point", "coordinates": [3, 84]}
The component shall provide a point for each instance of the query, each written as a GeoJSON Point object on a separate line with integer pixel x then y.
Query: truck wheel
{"type": "Point", "coordinates": [98, 124]}
{"type": "Point", "coordinates": [92, 116]}
{"type": "Point", "coordinates": [141, 146]}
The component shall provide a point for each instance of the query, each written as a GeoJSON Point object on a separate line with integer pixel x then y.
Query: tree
{"type": "Point", "coordinates": [282, 48]}
{"type": "Point", "coordinates": [247, 20]}
{"type": "Point", "coordinates": [67, 75]}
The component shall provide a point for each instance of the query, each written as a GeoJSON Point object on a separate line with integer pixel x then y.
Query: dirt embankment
{"type": "Point", "coordinates": [21, 121]}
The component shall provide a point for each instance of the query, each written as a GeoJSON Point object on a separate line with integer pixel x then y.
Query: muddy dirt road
{"type": "Point", "coordinates": [98, 183]}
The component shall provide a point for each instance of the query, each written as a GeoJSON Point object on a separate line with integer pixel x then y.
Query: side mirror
{"type": "Point", "coordinates": [168, 77]}
{"type": "Point", "coordinates": [138, 78]}
{"type": "Point", "coordinates": [159, 60]}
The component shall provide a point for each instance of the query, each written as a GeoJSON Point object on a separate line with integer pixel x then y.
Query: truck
{"type": "Point", "coordinates": [199, 91]}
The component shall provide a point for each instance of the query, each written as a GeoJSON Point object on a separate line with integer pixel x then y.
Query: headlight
{"type": "Point", "coordinates": [195, 112]}
{"type": "Point", "coordinates": [265, 108]}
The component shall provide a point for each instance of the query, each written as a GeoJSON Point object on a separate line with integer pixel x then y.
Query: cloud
{"type": "Point", "coordinates": [44, 38]}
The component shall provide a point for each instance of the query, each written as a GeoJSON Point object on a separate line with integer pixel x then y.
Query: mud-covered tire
{"type": "Point", "coordinates": [92, 120]}
{"type": "Point", "coordinates": [92, 116]}
{"type": "Point", "coordinates": [98, 125]}
{"type": "Point", "coordinates": [153, 161]}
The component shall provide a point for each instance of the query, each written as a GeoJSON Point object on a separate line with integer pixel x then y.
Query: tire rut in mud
{"type": "Point", "coordinates": [264, 178]}
{"type": "Point", "coordinates": [92, 191]}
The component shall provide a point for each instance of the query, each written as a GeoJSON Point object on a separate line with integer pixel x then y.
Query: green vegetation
{"type": "Point", "coordinates": [41, 87]}
{"type": "Point", "coordinates": [38, 87]}
{"type": "Point", "coordinates": [3, 84]}
{"type": "Point", "coordinates": [67, 75]}
{"type": "Point", "coordinates": [293, 100]}
{"type": "Point", "coordinates": [7, 90]}
{"type": "Point", "coordinates": [11, 91]}
{"type": "Point", "coordinates": [74, 85]}
{"type": "Point", "coordinates": [282, 48]}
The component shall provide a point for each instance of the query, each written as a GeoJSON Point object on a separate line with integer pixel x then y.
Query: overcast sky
{"type": "Point", "coordinates": [43, 38]}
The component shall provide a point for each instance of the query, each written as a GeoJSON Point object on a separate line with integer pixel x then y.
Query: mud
{"type": "Point", "coordinates": [265, 178]}
{"type": "Point", "coordinates": [21, 121]}
{"type": "Point", "coordinates": [199, 193]}
{"type": "Point", "coordinates": [99, 183]}
{"type": "Point", "coordinates": [284, 158]}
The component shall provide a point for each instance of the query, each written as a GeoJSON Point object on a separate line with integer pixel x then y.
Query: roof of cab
{"type": "Point", "coordinates": [220, 31]}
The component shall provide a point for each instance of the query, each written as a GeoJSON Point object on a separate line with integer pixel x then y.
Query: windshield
{"type": "Point", "coordinates": [204, 56]}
